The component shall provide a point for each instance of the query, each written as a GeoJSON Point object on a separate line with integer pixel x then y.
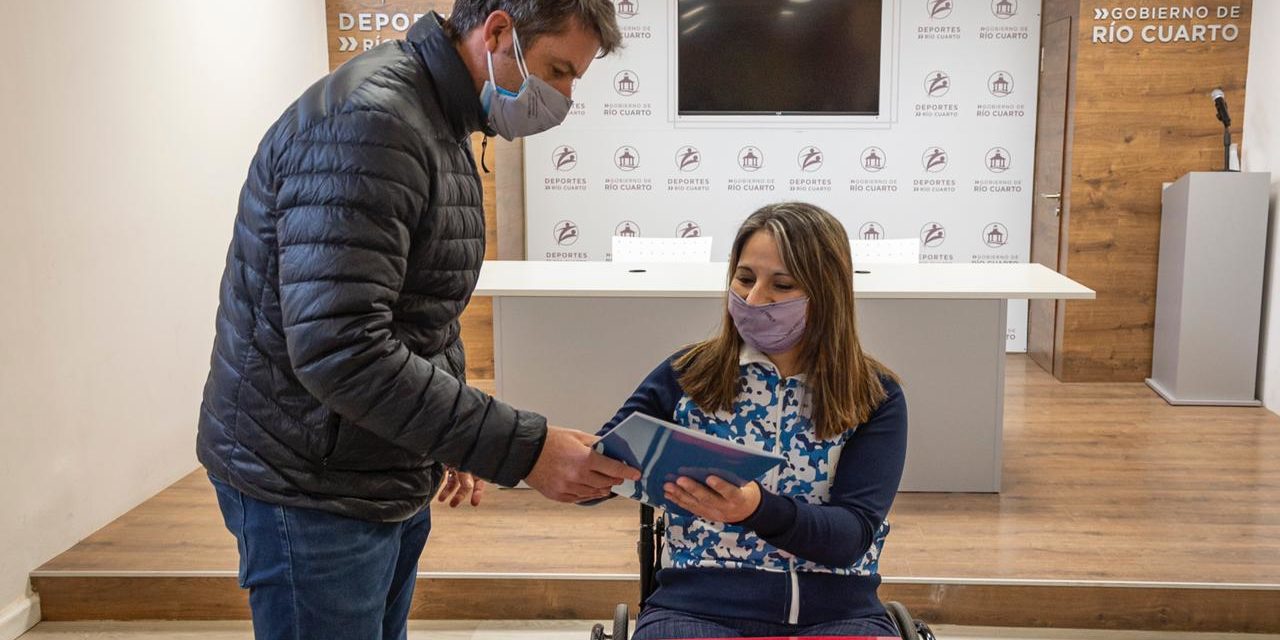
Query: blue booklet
{"type": "Point", "coordinates": [663, 451]}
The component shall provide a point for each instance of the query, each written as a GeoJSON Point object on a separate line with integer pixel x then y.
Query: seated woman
{"type": "Point", "coordinates": [795, 553]}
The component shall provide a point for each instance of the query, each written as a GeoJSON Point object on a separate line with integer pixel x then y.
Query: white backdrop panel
{"type": "Point", "coordinates": [952, 165]}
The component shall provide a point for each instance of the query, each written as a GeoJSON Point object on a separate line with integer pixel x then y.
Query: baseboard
{"type": "Point", "coordinates": [18, 618]}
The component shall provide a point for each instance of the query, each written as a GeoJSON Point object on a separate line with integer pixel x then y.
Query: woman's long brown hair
{"type": "Point", "coordinates": [845, 382]}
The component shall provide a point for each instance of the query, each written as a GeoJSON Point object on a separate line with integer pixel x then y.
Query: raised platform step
{"type": "Point", "coordinates": [1118, 512]}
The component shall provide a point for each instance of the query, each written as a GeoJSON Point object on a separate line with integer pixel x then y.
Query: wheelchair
{"type": "Point", "coordinates": [649, 548]}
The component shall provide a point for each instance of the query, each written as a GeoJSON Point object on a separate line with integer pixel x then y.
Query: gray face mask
{"type": "Point", "coordinates": [535, 109]}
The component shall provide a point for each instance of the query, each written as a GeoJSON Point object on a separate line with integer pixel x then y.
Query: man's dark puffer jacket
{"type": "Point", "coordinates": [336, 380]}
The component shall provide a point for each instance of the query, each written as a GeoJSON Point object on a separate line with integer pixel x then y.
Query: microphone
{"type": "Point", "coordinates": [1220, 101]}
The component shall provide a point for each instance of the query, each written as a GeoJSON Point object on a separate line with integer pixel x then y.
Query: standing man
{"type": "Point", "coordinates": [336, 401]}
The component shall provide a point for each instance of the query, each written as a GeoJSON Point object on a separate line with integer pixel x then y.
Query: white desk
{"type": "Point", "coordinates": [573, 339]}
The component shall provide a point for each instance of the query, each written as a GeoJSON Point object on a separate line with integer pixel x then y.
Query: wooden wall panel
{"type": "Point", "coordinates": [365, 24]}
{"type": "Point", "coordinates": [1142, 116]}
{"type": "Point", "coordinates": [354, 26]}
{"type": "Point", "coordinates": [477, 320]}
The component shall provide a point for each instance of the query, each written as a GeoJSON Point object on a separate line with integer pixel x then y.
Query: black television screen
{"type": "Point", "coordinates": [778, 57]}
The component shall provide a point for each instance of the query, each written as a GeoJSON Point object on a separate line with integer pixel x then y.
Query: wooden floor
{"type": "Point", "coordinates": [1118, 511]}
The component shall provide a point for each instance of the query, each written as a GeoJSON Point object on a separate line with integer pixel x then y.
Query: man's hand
{"type": "Point", "coordinates": [718, 500]}
{"type": "Point", "coordinates": [458, 486]}
{"type": "Point", "coordinates": [569, 471]}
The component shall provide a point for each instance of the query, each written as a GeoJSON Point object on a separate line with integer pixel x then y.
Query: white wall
{"type": "Point", "coordinates": [1261, 152]}
{"type": "Point", "coordinates": [126, 128]}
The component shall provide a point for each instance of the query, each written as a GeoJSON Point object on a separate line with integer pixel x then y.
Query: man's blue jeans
{"type": "Point", "coordinates": [313, 575]}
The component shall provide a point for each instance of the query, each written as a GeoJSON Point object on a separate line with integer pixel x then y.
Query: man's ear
{"type": "Point", "coordinates": [497, 24]}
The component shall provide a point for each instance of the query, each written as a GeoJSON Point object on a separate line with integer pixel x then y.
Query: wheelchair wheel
{"type": "Point", "coordinates": [597, 632]}
{"type": "Point", "coordinates": [621, 620]}
{"type": "Point", "coordinates": [902, 620]}
{"type": "Point", "coordinates": [923, 631]}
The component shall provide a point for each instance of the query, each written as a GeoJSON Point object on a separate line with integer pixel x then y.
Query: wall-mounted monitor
{"type": "Point", "coordinates": [757, 59]}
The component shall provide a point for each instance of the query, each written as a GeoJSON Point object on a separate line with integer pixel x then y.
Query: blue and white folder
{"type": "Point", "coordinates": [663, 451]}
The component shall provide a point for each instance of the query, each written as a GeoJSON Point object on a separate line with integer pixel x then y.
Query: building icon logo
{"type": "Point", "coordinates": [626, 83]}
{"type": "Point", "coordinates": [934, 159]}
{"type": "Point", "coordinates": [751, 159]}
{"type": "Point", "coordinates": [938, 9]}
{"type": "Point", "coordinates": [688, 158]}
{"type": "Point", "coordinates": [564, 158]}
{"type": "Point", "coordinates": [1000, 84]}
{"type": "Point", "coordinates": [937, 84]}
{"type": "Point", "coordinates": [627, 158]}
{"type": "Point", "coordinates": [873, 159]}
{"type": "Point", "coordinates": [998, 160]}
{"type": "Point", "coordinates": [565, 233]}
{"type": "Point", "coordinates": [995, 235]}
{"type": "Point", "coordinates": [688, 229]}
{"type": "Point", "coordinates": [932, 235]}
{"type": "Point", "coordinates": [627, 229]}
{"type": "Point", "coordinates": [628, 8]}
{"type": "Point", "coordinates": [809, 159]}
{"type": "Point", "coordinates": [871, 231]}
{"type": "Point", "coordinates": [1004, 9]}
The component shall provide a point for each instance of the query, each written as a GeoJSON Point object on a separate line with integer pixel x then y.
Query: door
{"type": "Point", "coordinates": [1047, 199]}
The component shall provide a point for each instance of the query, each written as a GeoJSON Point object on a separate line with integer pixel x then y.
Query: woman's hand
{"type": "Point", "coordinates": [718, 500]}
{"type": "Point", "coordinates": [458, 486]}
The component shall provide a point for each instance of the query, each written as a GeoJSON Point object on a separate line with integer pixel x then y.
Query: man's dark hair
{"type": "Point", "coordinates": [536, 18]}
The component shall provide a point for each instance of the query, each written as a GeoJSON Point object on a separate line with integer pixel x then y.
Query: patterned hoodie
{"type": "Point", "coordinates": [809, 554]}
